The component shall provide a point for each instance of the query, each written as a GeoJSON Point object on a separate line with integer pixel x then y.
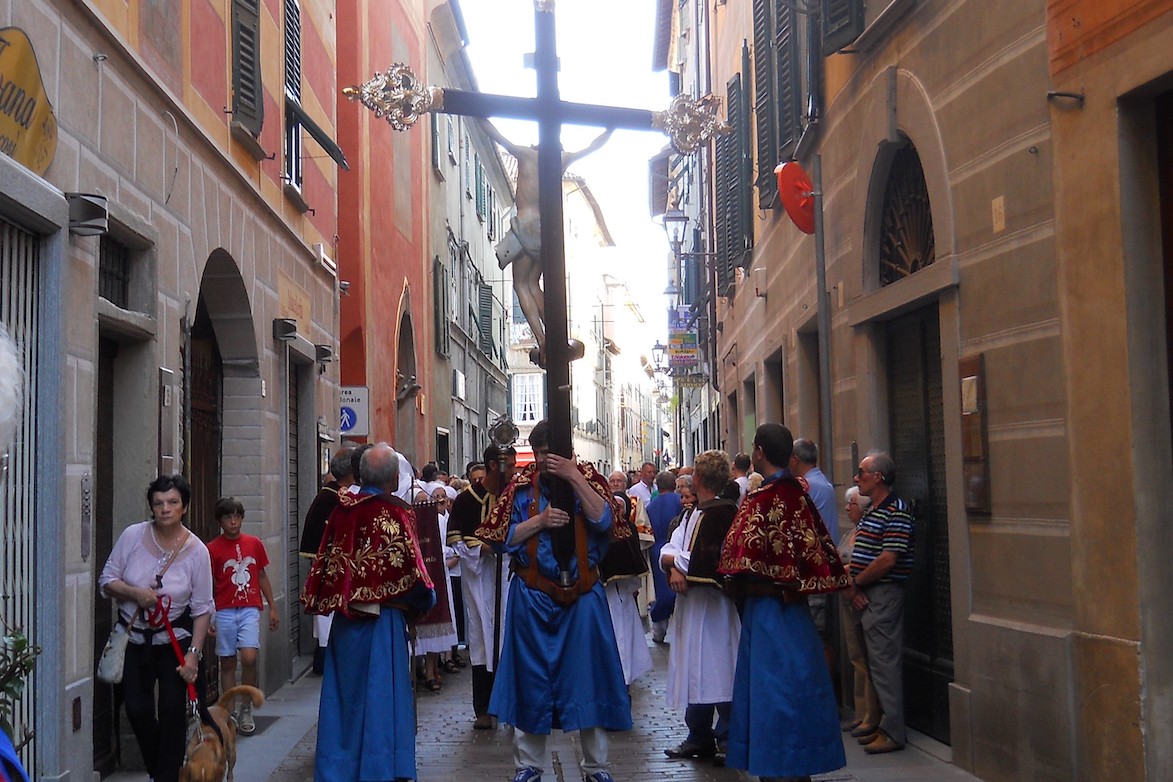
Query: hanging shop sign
{"type": "Point", "coordinates": [683, 344]}
{"type": "Point", "coordinates": [28, 127]}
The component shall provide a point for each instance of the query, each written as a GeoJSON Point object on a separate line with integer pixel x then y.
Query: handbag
{"type": "Point", "coordinates": [113, 655]}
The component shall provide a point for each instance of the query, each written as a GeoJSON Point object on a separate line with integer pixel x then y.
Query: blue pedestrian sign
{"type": "Point", "coordinates": [354, 416]}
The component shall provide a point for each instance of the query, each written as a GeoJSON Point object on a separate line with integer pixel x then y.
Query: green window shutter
{"type": "Point", "coordinates": [788, 79]}
{"type": "Point", "coordinates": [842, 23]}
{"type": "Point", "coordinates": [740, 219]}
{"type": "Point", "coordinates": [740, 97]}
{"type": "Point", "coordinates": [480, 181]}
{"type": "Point", "coordinates": [485, 316]}
{"type": "Point", "coordinates": [435, 139]}
{"type": "Point", "coordinates": [248, 106]}
{"type": "Point", "coordinates": [763, 100]}
{"type": "Point", "coordinates": [729, 244]}
{"type": "Point", "coordinates": [442, 308]}
{"type": "Point", "coordinates": [293, 49]}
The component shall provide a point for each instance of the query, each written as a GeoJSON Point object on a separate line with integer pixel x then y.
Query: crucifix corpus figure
{"type": "Point", "coordinates": [522, 244]}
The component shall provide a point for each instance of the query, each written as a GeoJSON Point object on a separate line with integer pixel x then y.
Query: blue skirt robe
{"type": "Point", "coordinates": [559, 667]}
{"type": "Point", "coordinates": [784, 720]}
{"type": "Point", "coordinates": [366, 716]}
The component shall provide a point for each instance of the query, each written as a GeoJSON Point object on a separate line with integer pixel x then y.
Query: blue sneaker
{"type": "Point", "coordinates": [528, 774]}
{"type": "Point", "coordinates": [599, 776]}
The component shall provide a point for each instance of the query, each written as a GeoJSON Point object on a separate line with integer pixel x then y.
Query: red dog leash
{"type": "Point", "coordinates": [160, 616]}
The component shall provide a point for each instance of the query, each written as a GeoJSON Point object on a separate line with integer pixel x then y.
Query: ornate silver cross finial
{"type": "Point", "coordinates": [398, 96]}
{"type": "Point", "coordinates": [544, 6]}
{"type": "Point", "coordinates": [690, 122]}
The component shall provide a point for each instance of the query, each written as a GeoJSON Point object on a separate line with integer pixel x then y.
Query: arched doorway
{"type": "Point", "coordinates": [911, 344]}
{"type": "Point", "coordinates": [221, 397]}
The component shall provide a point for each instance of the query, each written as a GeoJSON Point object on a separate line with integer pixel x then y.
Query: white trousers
{"type": "Point", "coordinates": [529, 749]}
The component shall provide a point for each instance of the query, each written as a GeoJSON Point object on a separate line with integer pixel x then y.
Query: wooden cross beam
{"type": "Point", "coordinates": [399, 98]}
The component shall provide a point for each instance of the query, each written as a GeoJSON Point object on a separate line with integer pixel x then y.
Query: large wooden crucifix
{"type": "Point", "coordinates": [399, 97]}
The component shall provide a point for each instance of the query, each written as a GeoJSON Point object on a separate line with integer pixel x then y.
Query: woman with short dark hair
{"type": "Point", "coordinates": [159, 569]}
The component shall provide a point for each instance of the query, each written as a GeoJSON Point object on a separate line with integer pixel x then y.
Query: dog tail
{"type": "Point", "coordinates": [241, 690]}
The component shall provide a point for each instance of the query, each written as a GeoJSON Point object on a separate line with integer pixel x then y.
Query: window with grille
{"type": "Point", "coordinates": [114, 271]}
{"type": "Point", "coordinates": [527, 398]}
{"type": "Point", "coordinates": [293, 140]}
{"type": "Point", "coordinates": [248, 106]}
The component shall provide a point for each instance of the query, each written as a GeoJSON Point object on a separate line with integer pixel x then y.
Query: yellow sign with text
{"type": "Point", "coordinates": [28, 128]}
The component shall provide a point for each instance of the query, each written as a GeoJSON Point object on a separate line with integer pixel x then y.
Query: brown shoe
{"type": "Point", "coordinates": [483, 722]}
{"type": "Point", "coordinates": [859, 731]}
{"type": "Point", "coordinates": [869, 738]}
{"type": "Point", "coordinates": [881, 745]}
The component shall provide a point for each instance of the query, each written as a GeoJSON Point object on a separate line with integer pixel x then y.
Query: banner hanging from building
{"type": "Point", "coordinates": [28, 127]}
{"type": "Point", "coordinates": [683, 345]}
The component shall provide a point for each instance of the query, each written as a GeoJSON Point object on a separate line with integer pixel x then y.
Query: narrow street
{"type": "Point", "coordinates": [449, 749]}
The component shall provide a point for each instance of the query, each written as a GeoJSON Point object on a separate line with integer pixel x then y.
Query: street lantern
{"type": "Point", "coordinates": [658, 352]}
{"type": "Point", "coordinates": [675, 223]}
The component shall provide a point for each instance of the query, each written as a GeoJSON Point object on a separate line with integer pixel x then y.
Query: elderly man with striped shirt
{"type": "Point", "coordinates": [880, 564]}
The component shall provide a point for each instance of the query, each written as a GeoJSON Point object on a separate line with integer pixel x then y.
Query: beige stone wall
{"type": "Point", "coordinates": [185, 198]}
{"type": "Point", "coordinates": [1045, 593]}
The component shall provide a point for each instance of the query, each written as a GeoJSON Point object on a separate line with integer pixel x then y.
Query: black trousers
{"type": "Point", "coordinates": [482, 688]}
{"type": "Point", "coordinates": [161, 729]}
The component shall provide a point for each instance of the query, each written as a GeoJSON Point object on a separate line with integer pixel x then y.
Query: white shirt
{"type": "Point", "coordinates": [641, 491]}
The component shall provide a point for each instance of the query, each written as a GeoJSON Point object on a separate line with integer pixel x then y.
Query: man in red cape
{"type": "Point", "coordinates": [370, 572]}
{"type": "Point", "coordinates": [784, 721]}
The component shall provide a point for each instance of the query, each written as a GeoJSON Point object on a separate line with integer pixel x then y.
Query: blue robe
{"type": "Point", "coordinates": [366, 717]}
{"type": "Point", "coordinates": [559, 666]}
{"type": "Point", "coordinates": [784, 720]}
{"type": "Point", "coordinates": [661, 510]}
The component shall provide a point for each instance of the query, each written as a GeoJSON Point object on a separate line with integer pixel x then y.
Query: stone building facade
{"type": "Point", "coordinates": [994, 194]}
{"type": "Point", "coordinates": [190, 331]}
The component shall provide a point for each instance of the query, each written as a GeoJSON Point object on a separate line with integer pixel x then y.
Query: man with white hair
{"type": "Point", "coordinates": [370, 571]}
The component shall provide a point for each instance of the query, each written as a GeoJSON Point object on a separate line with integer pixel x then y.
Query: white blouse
{"type": "Point", "coordinates": [136, 560]}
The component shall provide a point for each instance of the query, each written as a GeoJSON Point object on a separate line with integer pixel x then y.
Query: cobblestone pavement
{"type": "Point", "coordinates": [449, 749]}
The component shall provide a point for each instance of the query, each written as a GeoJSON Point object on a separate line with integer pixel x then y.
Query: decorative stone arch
{"type": "Point", "coordinates": [225, 296]}
{"type": "Point", "coordinates": [407, 382]}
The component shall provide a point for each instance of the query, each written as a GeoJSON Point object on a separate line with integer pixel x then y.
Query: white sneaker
{"type": "Point", "coordinates": [248, 726]}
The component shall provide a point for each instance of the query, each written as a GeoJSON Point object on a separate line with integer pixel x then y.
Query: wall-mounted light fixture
{"type": "Point", "coordinates": [89, 214]}
{"type": "Point", "coordinates": [284, 329]}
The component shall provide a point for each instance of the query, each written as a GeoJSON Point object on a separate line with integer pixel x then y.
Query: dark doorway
{"type": "Point", "coordinates": [105, 707]}
{"type": "Point", "coordinates": [299, 405]}
{"type": "Point", "coordinates": [917, 438]}
{"type": "Point", "coordinates": [205, 389]}
{"type": "Point", "coordinates": [442, 451]}
{"type": "Point", "coordinates": [1164, 110]}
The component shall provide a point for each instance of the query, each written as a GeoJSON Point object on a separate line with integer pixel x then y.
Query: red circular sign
{"type": "Point", "coordinates": [797, 193]}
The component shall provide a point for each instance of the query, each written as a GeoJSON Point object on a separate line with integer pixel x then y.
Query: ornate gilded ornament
{"type": "Point", "coordinates": [690, 122]}
{"type": "Point", "coordinates": [398, 96]}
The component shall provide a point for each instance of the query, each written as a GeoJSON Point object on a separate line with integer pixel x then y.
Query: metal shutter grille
{"type": "Point", "coordinates": [19, 293]}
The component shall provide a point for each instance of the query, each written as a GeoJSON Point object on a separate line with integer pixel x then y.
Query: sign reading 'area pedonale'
{"type": "Point", "coordinates": [28, 128]}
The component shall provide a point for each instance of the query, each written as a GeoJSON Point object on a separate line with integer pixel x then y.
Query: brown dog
{"type": "Point", "coordinates": [207, 759]}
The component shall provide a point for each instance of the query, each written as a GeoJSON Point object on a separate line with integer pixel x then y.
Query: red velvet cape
{"type": "Point", "coordinates": [496, 528]}
{"type": "Point", "coordinates": [777, 535]}
{"type": "Point", "coordinates": [369, 554]}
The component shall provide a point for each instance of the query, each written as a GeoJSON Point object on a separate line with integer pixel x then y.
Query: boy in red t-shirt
{"type": "Point", "coordinates": [239, 580]}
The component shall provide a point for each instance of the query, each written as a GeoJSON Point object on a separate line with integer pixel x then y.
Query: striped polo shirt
{"type": "Point", "coordinates": [887, 527]}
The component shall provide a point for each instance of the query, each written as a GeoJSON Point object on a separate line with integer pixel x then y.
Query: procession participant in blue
{"type": "Point", "coordinates": [369, 570]}
{"type": "Point", "coordinates": [663, 508]}
{"type": "Point", "coordinates": [559, 665]}
{"type": "Point", "coordinates": [785, 723]}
